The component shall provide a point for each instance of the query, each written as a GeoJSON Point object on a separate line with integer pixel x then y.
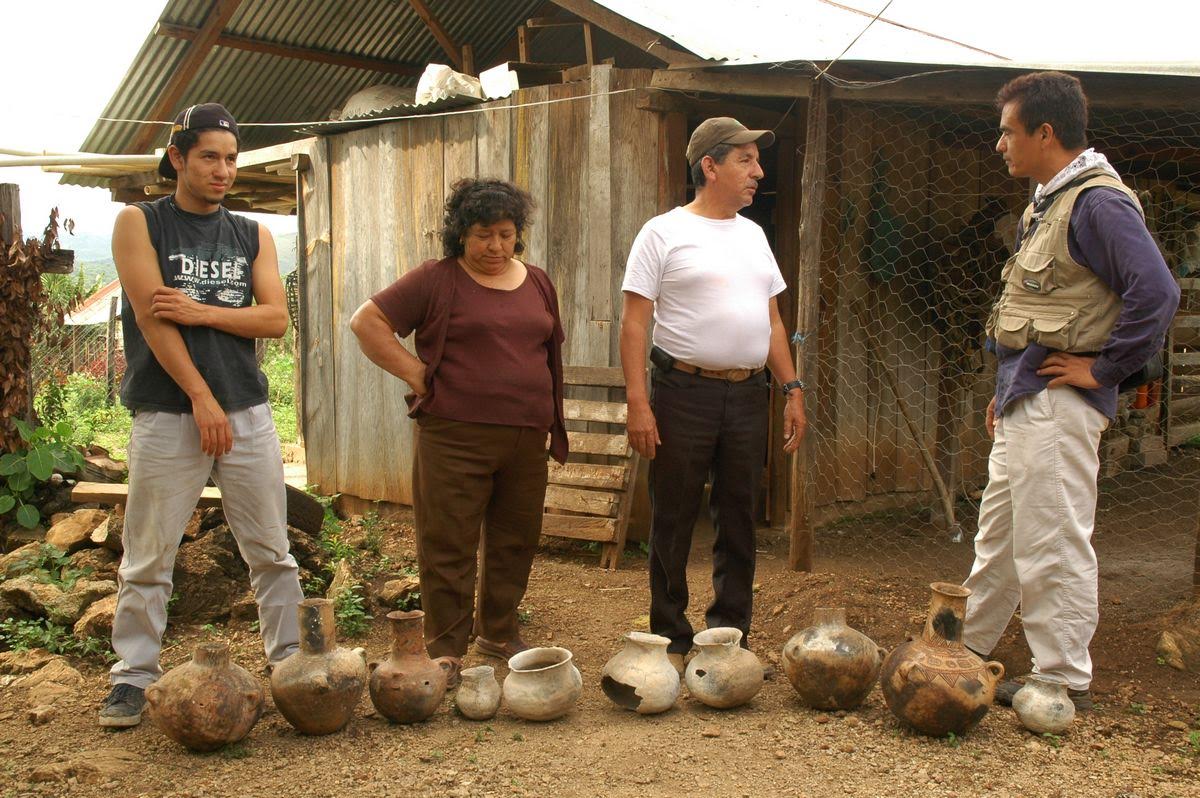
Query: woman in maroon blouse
{"type": "Point", "coordinates": [486, 389]}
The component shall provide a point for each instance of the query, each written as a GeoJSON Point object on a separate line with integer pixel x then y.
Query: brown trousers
{"type": "Point", "coordinates": [473, 481]}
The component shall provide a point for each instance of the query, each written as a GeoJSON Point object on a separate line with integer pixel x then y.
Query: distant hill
{"type": "Point", "coordinates": [93, 254]}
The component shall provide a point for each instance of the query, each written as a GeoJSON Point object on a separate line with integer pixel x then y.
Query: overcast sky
{"type": "Point", "coordinates": [66, 57]}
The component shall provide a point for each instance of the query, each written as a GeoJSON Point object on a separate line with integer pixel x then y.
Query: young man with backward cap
{"type": "Point", "coordinates": [199, 285]}
{"type": "Point", "coordinates": [708, 278]}
{"type": "Point", "coordinates": [1086, 300]}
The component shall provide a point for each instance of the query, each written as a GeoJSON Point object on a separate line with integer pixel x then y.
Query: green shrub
{"type": "Point", "coordinates": [22, 635]}
{"type": "Point", "coordinates": [82, 401]}
{"type": "Point", "coordinates": [26, 469]}
{"type": "Point", "coordinates": [51, 565]}
{"type": "Point", "coordinates": [350, 613]}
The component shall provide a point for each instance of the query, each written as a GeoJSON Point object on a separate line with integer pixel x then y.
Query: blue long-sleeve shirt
{"type": "Point", "coordinates": [1107, 235]}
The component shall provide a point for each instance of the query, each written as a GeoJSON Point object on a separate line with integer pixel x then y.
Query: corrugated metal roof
{"type": "Point", "coordinates": [257, 87]}
{"type": "Point", "coordinates": [935, 32]}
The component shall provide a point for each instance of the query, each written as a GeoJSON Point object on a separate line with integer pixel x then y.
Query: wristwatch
{"type": "Point", "coordinates": [788, 386]}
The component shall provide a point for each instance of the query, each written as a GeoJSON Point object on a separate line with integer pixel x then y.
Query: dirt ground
{"type": "Point", "coordinates": [1141, 740]}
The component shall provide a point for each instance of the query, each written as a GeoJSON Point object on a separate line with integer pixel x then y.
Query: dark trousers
{"type": "Point", "coordinates": [708, 428]}
{"type": "Point", "coordinates": [472, 480]}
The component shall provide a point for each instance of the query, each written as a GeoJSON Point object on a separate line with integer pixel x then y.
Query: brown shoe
{"type": "Point", "coordinates": [502, 650]}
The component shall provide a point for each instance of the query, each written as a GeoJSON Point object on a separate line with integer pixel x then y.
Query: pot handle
{"type": "Point", "coordinates": [448, 664]}
{"type": "Point", "coordinates": [880, 654]}
{"type": "Point", "coordinates": [904, 669]}
{"type": "Point", "coordinates": [152, 695]}
{"type": "Point", "coordinates": [996, 669]}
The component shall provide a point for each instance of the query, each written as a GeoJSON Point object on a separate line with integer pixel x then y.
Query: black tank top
{"type": "Point", "coordinates": [209, 258]}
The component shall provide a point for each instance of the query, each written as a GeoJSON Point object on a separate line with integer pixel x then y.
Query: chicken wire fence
{"type": "Point", "coordinates": [86, 353]}
{"type": "Point", "coordinates": [919, 217]}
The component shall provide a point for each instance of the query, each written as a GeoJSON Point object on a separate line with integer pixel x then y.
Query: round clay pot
{"type": "Point", "coordinates": [207, 703]}
{"type": "Point", "coordinates": [542, 683]}
{"type": "Point", "coordinates": [1044, 707]}
{"type": "Point", "coordinates": [478, 696]}
{"type": "Point", "coordinates": [640, 677]}
{"type": "Point", "coordinates": [935, 684]}
{"type": "Point", "coordinates": [831, 665]}
{"type": "Point", "coordinates": [408, 686]}
{"type": "Point", "coordinates": [317, 688]}
{"type": "Point", "coordinates": [723, 675]}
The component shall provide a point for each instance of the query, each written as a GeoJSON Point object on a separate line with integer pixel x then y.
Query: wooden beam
{"type": "Point", "coordinates": [300, 53]}
{"type": "Point", "coordinates": [523, 37]}
{"type": "Point", "coordinates": [808, 306]}
{"type": "Point", "coordinates": [193, 58]}
{"type": "Point", "coordinates": [641, 37]}
{"type": "Point", "coordinates": [752, 84]}
{"type": "Point", "coordinates": [453, 51]}
{"type": "Point", "coordinates": [664, 102]}
{"type": "Point", "coordinates": [10, 214]}
{"type": "Point", "coordinates": [468, 59]}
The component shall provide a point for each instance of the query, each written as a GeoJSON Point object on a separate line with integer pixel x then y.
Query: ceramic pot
{"type": "Point", "coordinates": [478, 696]}
{"type": "Point", "coordinates": [1044, 707]}
{"type": "Point", "coordinates": [542, 684]}
{"type": "Point", "coordinates": [640, 677]}
{"type": "Point", "coordinates": [935, 684]}
{"type": "Point", "coordinates": [317, 688]}
{"type": "Point", "coordinates": [408, 686]}
{"type": "Point", "coordinates": [723, 675]}
{"type": "Point", "coordinates": [831, 665]}
{"type": "Point", "coordinates": [207, 703]}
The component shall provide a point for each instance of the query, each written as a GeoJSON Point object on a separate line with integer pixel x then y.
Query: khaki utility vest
{"type": "Point", "coordinates": [1047, 297]}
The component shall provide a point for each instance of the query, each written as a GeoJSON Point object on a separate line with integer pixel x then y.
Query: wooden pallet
{"type": "Point", "coordinates": [589, 497]}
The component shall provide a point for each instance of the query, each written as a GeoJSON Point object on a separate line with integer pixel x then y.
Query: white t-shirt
{"type": "Point", "coordinates": [711, 281]}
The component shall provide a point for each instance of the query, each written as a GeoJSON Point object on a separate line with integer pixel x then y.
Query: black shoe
{"type": "Point", "coordinates": [123, 707]}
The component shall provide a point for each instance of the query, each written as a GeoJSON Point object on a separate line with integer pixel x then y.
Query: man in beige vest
{"type": "Point", "coordinates": [1085, 302]}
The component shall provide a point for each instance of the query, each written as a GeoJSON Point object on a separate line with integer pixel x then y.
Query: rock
{"type": "Point", "coordinates": [102, 562]}
{"type": "Point", "coordinates": [394, 590]}
{"type": "Point", "coordinates": [21, 662]}
{"type": "Point", "coordinates": [89, 767]}
{"type": "Point", "coordinates": [822, 718]}
{"type": "Point", "coordinates": [193, 529]}
{"type": "Point", "coordinates": [343, 578]}
{"type": "Point", "coordinates": [41, 714]}
{"type": "Point", "coordinates": [19, 560]}
{"type": "Point", "coordinates": [75, 531]}
{"type": "Point", "coordinates": [208, 575]}
{"type": "Point", "coordinates": [1179, 643]}
{"type": "Point", "coordinates": [51, 682]}
{"type": "Point", "coordinates": [1178, 724]}
{"type": "Point", "coordinates": [306, 550]}
{"type": "Point", "coordinates": [244, 608]}
{"type": "Point", "coordinates": [50, 601]}
{"type": "Point", "coordinates": [710, 731]}
{"type": "Point", "coordinates": [97, 619]}
{"type": "Point", "coordinates": [109, 534]}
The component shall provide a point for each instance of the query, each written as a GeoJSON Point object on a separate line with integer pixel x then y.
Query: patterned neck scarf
{"type": "Point", "coordinates": [1088, 159]}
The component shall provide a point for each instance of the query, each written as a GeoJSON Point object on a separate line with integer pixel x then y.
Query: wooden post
{"type": "Point", "coordinates": [110, 370]}
{"type": "Point", "coordinates": [808, 305]}
{"type": "Point", "coordinates": [10, 211]}
{"type": "Point", "coordinates": [523, 44]}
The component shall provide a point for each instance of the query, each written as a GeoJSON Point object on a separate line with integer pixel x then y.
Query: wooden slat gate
{"type": "Point", "coordinates": [588, 497]}
{"type": "Point", "coordinates": [1183, 367]}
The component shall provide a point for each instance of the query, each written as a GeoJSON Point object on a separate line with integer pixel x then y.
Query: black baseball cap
{"type": "Point", "coordinates": [205, 116]}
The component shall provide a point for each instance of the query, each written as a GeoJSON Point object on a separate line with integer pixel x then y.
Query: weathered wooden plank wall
{"type": "Point", "coordinates": [383, 198]}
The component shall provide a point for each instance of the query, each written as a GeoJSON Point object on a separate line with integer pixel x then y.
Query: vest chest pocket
{"type": "Point", "coordinates": [1034, 273]}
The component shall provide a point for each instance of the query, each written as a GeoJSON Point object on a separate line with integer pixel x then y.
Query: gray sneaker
{"type": "Point", "coordinates": [1007, 690]}
{"type": "Point", "coordinates": [123, 707]}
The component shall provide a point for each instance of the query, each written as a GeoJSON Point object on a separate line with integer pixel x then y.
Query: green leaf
{"type": "Point", "coordinates": [28, 516]}
{"type": "Point", "coordinates": [19, 483]}
{"type": "Point", "coordinates": [41, 463]}
{"type": "Point", "coordinates": [7, 502]}
{"type": "Point", "coordinates": [23, 429]}
{"type": "Point", "coordinates": [63, 429]}
{"type": "Point", "coordinates": [11, 464]}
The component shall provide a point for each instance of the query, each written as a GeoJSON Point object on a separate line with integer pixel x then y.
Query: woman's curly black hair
{"type": "Point", "coordinates": [483, 201]}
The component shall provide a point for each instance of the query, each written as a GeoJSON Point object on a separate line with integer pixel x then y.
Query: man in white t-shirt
{"type": "Point", "coordinates": [707, 277]}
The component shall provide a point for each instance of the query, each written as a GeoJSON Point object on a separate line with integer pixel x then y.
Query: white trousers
{"type": "Point", "coordinates": [1034, 546]}
{"type": "Point", "coordinates": [167, 472]}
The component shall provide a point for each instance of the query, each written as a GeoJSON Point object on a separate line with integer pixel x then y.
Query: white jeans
{"type": "Point", "coordinates": [167, 472]}
{"type": "Point", "coordinates": [1034, 546]}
